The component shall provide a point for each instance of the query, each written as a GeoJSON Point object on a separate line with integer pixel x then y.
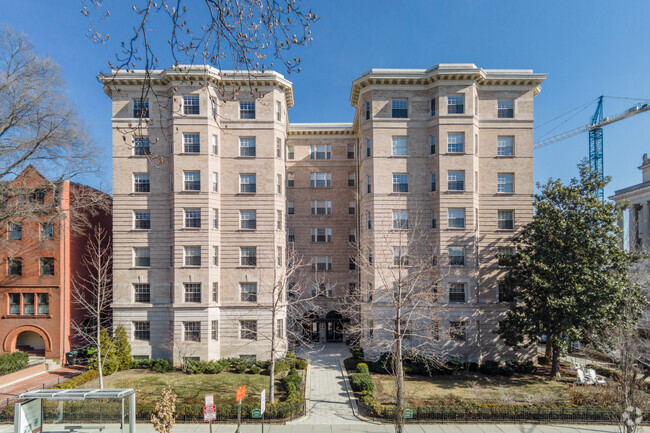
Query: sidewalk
{"type": "Point", "coordinates": [48, 378]}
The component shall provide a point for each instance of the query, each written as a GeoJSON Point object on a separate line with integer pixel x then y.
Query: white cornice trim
{"type": "Point", "coordinates": [321, 128]}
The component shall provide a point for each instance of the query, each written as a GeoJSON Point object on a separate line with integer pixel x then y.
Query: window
{"type": "Point", "coordinates": [400, 219]}
{"type": "Point", "coordinates": [279, 329]}
{"type": "Point", "coordinates": [455, 104]}
{"type": "Point", "coordinates": [434, 219]}
{"type": "Point", "coordinates": [14, 266]}
{"type": "Point", "coordinates": [504, 146]}
{"type": "Point", "coordinates": [215, 256]}
{"type": "Point", "coordinates": [47, 231]}
{"type": "Point", "coordinates": [142, 219]}
{"type": "Point", "coordinates": [192, 181]}
{"type": "Point", "coordinates": [214, 330]}
{"type": "Point", "coordinates": [278, 219]}
{"type": "Point", "coordinates": [247, 109]}
{"type": "Point", "coordinates": [192, 292]}
{"type": "Point", "coordinates": [433, 182]}
{"type": "Point", "coordinates": [506, 220]}
{"type": "Point", "coordinates": [368, 184]}
{"type": "Point", "coordinates": [368, 147]}
{"type": "Point", "coordinates": [456, 292]}
{"type": "Point", "coordinates": [433, 106]}
{"type": "Point", "coordinates": [278, 111]}
{"type": "Point", "coordinates": [290, 208]}
{"type": "Point", "coordinates": [368, 220]}
{"type": "Point", "coordinates": [352, 179]}
{"type": "Point", "coordinates": [215, 218]}
{"type": "Point", "coordinates": [28, 303]}
{"type": "Point", "coordinates": [290, 180]}
{"type": "Point", "coordinates": [192, 331]}
{"type": "Point", "coordinates": [352, 235]}
{"type": "Point", "coordinates": [215, 292]}
{"type": "Point", "coordinates": [291, 235]}
{"type": "Point", "coordinates": [47, 266]}
{"type": "Point", "coordinates": [248, 292]}
{"type": "Point", "coordinates": [278, 182]}
{"type": "Point", "coordinates": [399, 146]}
{"type": "Point", "coordinates": [278, 147]}
{"type": "Point", "coordinates": [400, 108]}
{"type": "Point", "coordinates": [322, 290]}
{"type": "Point", "coordinates": [352, 207]}
{"type": "Point", "coordinates": [504, 182]}
{"type": "Point", "coordinates": [367, 110]}
{"type": "Point", "coordinates": [248, 329]}
{"type": "Point", "coordinates": [192, 218]}
{"type": "Point", "coordinates": [248, 256]}
{"type": "Point", "coordinates": [191, 104]}
{"type": "Point", "coordinates": [456, 180]}
{"type": "Point", "coordinates": [503, 254]}
{"type": "Point", "coordinates": [248, 219]}
{"type": "Point", "coordinates": [14, 303]}
{"type": "Point", "coordinates": [400, 256]}
{"type": "Point", "coordinates": [506, 294]}
{"type": "Point", "coordinates": [247, 146]}
{"type": "Point", "coordinates": [321, 263]}
{"type": "Point", "coordinates": [141, 257]}
{"type": "Point", "coordinates": [321, 235]}
{"type": "Point", "coordinates": [457, 256]}
{"type": "Point", "coordinates": [141, 292]}
{"type": "Point", "coordinates": [278, 254]}
{"type": "Point", "coordinates": [141, 146]}
{"type": "Point", "coordinates": [456, 218]}
{"type": "Point", "coordinates": [436, 331]}
{"type": "Point", "coordinates": [456, 142]}
{"type": "Point", "coordinates": [432, 143]}
{"type": "Point", "coordinates": [290, 152]}
{"type": "Point", "coordinates": [43, 303]}
{"type": "Point", "coordinates": [352, 265]}
{"type": "Point", "coordinates": [192, 256]}
{"type": "Point", "coordinates": [140, 109]}
{"type": "Point", "coordinates": [370, 263]}
{"type": "Point", "coordinates": [457, 331]}
{"type": "Point", "coordinates": [321, 207]}
{"type": "Point", "coordinates": [320, 180]}
{"type": "Point", "coordinates": [505, 109]}
{"type": "Point", "coordinates": [350, 151]}
{"type": "Point", "coordinates": [191, 143]}
{"type": "Point", "coordinates": [141, 331]}
{"type": "Point", "coordinates": [141, 182]}
{"type": "Point", "coordinates": [213, 107]}
{"type": "Point", "coordinates": [247, 183]}
{"type": "Point", "coordinates": [400, 182]}
{"type": "Point", "coordinates": [321, 151]}
{"type": "Point", "coordinates": [215, 145]}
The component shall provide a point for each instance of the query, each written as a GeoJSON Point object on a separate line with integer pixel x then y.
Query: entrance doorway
{"type": "Point", "coordinates": [334, 326]}
{"type": "Point", "coordinates": [310, 326]}
{"type": "Point", "coordinates": [30, 342]}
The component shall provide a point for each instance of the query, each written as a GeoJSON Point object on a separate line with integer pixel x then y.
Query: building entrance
{"type": "Point", "coordinates": [333, 326]}
{"type": "Point", "coordinates": [30, 342]}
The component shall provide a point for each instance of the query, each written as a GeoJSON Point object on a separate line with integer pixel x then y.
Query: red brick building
{"type": "Point", "coordinates": [39, 257]}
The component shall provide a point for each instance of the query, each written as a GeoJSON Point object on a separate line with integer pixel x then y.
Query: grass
{"type": "Point", "coordinates": [518, 389]}
{"type": "Point", "coordinates": [190, 388]}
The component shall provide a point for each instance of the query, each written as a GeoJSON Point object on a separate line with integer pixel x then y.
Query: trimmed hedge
{"type": "Point", "coordinates": [362, 367]}
{"type": "Point", "coordinates": [76, 381]}
{"type": "Point", "coordinates": [362, 382]}
{"type": "Point", "coordinates": [291, 384]}
{"type": "Point", "coordinates": [11, 362]}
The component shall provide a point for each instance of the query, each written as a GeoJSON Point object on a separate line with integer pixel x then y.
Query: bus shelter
{"type": "Point", "coordinates": [28, 414]}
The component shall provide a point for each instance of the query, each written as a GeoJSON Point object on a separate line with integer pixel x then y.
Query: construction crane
{"type": "Point", "coordinates": [595, 129]}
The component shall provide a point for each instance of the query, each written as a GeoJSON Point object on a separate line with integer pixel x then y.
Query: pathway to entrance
{"type": "Point", "coordinates": [329, 402]}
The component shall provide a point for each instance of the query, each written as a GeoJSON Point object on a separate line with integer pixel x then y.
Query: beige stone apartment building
{"type": "Point", "coordinates": [214, 184]}
{"type": "Point", "coordinates": [638, 196]}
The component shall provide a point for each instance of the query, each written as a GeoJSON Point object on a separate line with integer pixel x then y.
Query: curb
{"type": "Point", "coordinates": [353, 401]}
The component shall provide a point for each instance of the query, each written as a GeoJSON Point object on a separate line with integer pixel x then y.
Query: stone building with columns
{"type": "Point", "coordinates": [638, 196]}
{"type": "Point", "coordinates": [201, 228]}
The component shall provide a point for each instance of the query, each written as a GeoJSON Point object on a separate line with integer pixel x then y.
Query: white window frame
{"type": "Point", "coordinates": [399, 146]}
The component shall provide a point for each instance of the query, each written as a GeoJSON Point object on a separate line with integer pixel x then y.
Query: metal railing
{"type": "Point", "coordinates": [496, 414]}
{"type": "Point", "coordinates": [46, 385]}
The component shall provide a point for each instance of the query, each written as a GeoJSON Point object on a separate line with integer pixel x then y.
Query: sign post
{"type": "Point", "coordinates": [262, 406]}
{"type": "Point", "coordinates": [241, 393]}
{"type": "Point", "coordinates": [210, 410]}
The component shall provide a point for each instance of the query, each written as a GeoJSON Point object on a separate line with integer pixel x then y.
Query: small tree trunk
{"type": "Point", "coordinates": [555, 363]}
{"type": "Point", "coordinates": [399, 385]}
{"type": "Point", "coordinates": [549, 348]}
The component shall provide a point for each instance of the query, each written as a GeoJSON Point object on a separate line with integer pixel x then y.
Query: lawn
{"type": "Point", "coordinates": [518, 389]}
{"type": "Point", "coordinates": [190, 388]}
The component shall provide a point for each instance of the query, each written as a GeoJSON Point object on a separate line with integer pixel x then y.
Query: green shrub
{"type": "Point", "coordinates": [292, 381]}
{"type": "Point", "coordinates": [526, 367]}
{"type": "Point", "coordinates": [291, 355]}
{"type": "Point", "coordinates": [298, 363]}
{"type": "Point", "coordinates": [79, 380]}
{"type": "Point", "coordinates": [357, 353]}
{"type": "Point", "coordinates": [281, 366]}
{"type": "Point", "coordinates": [367, 398]}
{"type": "Point", "coordinates": [122, 349]}
{"type": "Point", "coordinates": [256, 369]}
{"type": "Point", "coordinates": [262, 364]}
{"type": "Point", "coordinates": [10, 362]}
{"type": "Point", "coordinates": [161, 366]}
{"type": "Point", "coordinates": [241, 367]}
{"type": "Point", "coordinates": [489, 367]}
{"type": "Point", "coordinates": [362, 382]}
{"type": "Point", "coordinates": [362, 367]}
{"type": "Point", "coordinates": [204, 367]}
{"type": "Point", "coordinates": [143, 364]}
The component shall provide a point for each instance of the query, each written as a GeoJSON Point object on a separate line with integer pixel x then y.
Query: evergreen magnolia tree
{"type": "Point", "coordinates": [569, 273]}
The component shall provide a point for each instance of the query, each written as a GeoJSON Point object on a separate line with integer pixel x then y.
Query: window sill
{"type": "Point", "coordinates": [190, 191]}
{"type": "Point", "coordinates": [246, 267]}
{"type": "Point", "coordinates": [190, 229]}
{"type": "Point", "coordinates": [505, 230]}
{"type": "Point", "coordinates": [190, 267]}
{"type": "Point", "coordinates": [140, 267]}
{"type": "Point", "coordinates": [27, 316]}
{"type": "Point", "coordinates": [245, 157]}
{"type": "Point", "coordinates": [399, 193]}
{"type": "Point", "coordinates": [399, 156]}
{"type": "Point", "coordinates": [245, 230]}
{"type": "Point", "coordinates": [505, 156]}
{"type": "Point", "coordinates": [456, 228]}
{"type": "Point", "coordinates": [505, 193]}
{"type": "Point", "coordinates": [456, 153]}
{"type": "Point", "coordinates": [455, 191]}
{"type": "Point", "coordinates": [188, 153]}
{"type": "Point", "coordinates": [246, 193]}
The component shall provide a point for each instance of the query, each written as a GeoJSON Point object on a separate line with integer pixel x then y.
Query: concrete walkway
{"type": "Point", "coordinates": [328, 401]}
{"type": "Point", "coordinates": [45, 379]}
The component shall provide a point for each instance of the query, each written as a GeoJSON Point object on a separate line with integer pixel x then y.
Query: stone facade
{"type": "Point", "coordinates": [471, 128]}
{"type": "Point", "coordinates": [638, 196]}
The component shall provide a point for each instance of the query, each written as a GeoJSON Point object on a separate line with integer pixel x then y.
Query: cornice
{"type": "Point", "coordinates": [297, 129]}
{"type": "Point", "coordinates": [194, 73]}
{"type": "Point", "coordinates": [461, 72]}
{"type": "Point", "coordinates": [631, 191]}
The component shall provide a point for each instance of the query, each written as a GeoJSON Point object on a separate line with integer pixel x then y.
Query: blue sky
{"type": "Point", "coordinates": [588, 48]}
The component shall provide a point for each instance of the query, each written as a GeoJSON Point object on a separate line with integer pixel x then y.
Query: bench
{"type": "Point", "coordinates": [73, 428]}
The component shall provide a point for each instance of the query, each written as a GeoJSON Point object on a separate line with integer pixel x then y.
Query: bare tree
{"type": "Point", "coordinates": [399, 312]}
{"type": "Point", "coordinates": [92, 292]}
{"type": "Point", "coordinates": [183, 349]}
{"type": "Point", "coordinates": [38, 125]}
